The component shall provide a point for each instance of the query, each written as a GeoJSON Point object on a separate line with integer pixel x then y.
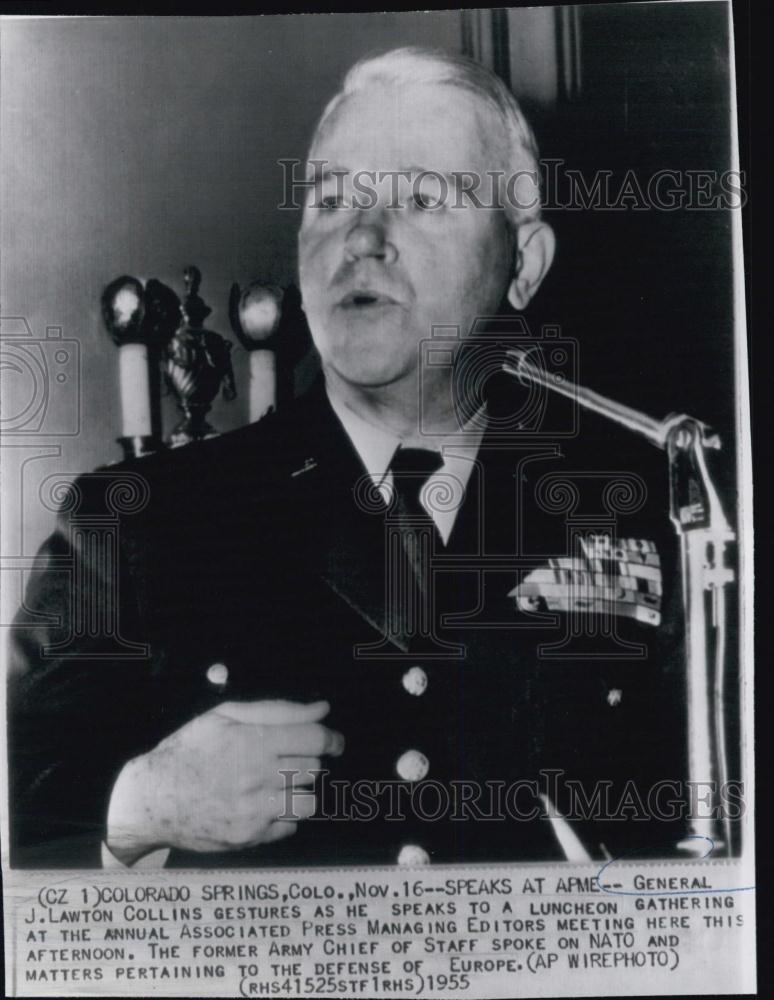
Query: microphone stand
{"type": "Point", "coordinates": [705, 540]}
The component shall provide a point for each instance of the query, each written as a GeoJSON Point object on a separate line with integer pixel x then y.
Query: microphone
{"type": "Point", "coordinates": [705, 537]}
{"type": "Point", "coordinates": [518, 364]}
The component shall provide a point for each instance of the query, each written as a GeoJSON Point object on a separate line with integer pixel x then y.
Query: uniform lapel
{"type": "Point", "coordinates": [345, 531]}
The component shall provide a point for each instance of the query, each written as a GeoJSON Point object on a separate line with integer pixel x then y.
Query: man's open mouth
{"type": "Point", "coordinates": [362, 298]}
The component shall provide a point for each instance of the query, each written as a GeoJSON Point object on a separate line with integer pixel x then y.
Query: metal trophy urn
{"type": "Point", "coordinates": [197, 362]}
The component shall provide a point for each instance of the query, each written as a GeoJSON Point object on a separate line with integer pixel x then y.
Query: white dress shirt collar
{"type": "Point", "coordinates": [376, 447]}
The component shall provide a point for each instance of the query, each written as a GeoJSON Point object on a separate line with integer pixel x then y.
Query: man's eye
{"type": "Point", "coordinates": [426, 201]}
{"type": "Point", "coordinates": [331, 202]}
{"type": "Point", "coordinates": [423, 201]}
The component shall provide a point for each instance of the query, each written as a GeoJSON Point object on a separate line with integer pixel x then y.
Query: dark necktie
{"type": "Point", "coordinates": [412, 536]}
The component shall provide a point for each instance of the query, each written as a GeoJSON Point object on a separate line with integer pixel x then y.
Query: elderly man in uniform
{"type": "Point", "coordinates": [360, 616]}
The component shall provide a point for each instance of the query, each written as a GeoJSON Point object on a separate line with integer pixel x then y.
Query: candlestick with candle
{"type": "Point", "coordinates": [255, 318]}
{"type": "Point", "coordinates": [130, 325]}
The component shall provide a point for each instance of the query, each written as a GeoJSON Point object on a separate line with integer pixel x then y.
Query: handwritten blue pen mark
{"type": "Point", "coordinates": [615, 889]}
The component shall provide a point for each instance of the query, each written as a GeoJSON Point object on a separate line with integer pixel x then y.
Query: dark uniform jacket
{"type": "Point", "coordinates": [257, 551]}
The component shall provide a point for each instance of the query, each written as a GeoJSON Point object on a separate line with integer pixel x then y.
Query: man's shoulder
{"type": "Point", "coordinates": [249, 459]}
{"type": "Point", "coordinates": [235, 448]}
{"type": "Point", "coordinates": [581, 442]}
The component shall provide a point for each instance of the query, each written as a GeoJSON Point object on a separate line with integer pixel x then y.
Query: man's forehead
{"type": "Point", "coordinates": [430, 126]}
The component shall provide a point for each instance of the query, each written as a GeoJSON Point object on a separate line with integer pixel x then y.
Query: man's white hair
{"type": "Point", "coordinates": [418, 66]}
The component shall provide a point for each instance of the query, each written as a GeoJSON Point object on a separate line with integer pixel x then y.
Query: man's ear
{"type": "Point", "coordinates": [535, 246]}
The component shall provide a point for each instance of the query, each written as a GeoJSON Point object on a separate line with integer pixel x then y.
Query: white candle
{"type": "Point", "coordinates": [263, 382]}
{"type": "Point", "coordinates": [135, 390]}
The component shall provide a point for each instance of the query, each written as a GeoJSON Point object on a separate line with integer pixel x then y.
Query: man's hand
{"type": "Point", "coordinates": [215, 783]}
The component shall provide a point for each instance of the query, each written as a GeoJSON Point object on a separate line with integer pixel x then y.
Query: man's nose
{"type": "Point", "coordinates": [368, 237]}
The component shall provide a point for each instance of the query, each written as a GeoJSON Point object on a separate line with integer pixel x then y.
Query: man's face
{"type": "Point", "coordinates": [375, 280]}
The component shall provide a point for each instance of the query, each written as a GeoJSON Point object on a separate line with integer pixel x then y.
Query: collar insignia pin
{"type": "Point", "coordinates": [308, 465]}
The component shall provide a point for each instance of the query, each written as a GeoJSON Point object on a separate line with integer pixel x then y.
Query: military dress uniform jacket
{"type": "Point", "coordinates": [260, 551]}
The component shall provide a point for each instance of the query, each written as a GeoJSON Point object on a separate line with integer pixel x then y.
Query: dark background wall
{"type": "Point", "coordinates": [140, 145]}
{"type": "Point", "coordinates": [650, 289]}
